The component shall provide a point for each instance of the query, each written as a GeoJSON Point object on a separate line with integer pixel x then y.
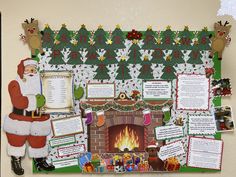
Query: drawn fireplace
{"type": "Point", "coordinates": [126, 138]}
{"type": "Point", "coordinates": [119, 128]}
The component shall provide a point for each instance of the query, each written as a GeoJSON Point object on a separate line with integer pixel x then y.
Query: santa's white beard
{"type": "Point", "coordinates": [31, 84]}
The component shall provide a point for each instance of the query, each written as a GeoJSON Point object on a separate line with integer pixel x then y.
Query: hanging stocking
{"type": "Point", "coordinates": [100, 118]}
{"type": "Point", "coordinates": [89, 116]}
{"type": "Point", "coordinates": [147, 117]}
{"type": "Point", "coordinates": [166, 111]}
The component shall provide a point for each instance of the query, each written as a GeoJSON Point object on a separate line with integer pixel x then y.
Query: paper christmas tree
{"type": "Point", "coordinates": [185, 39]}
{"type": "Point", "coordinates": [177, 56]}
{"type": "Point", "coordinates": [92, 56]}
{"type": "Point", "coordinates": [48, 37]}
{"type": "Point", "coordinates": [167, 39]}
{"type": "Point", "coordinates": [75, 56]}
{"type": "Point", "coordinates": [203, 40]}
{"type": "Point", "coordinates": [63, 38]}
{"type": "Point", "coordinates": [134, 55]}
{"type": "Point", "coordinates": [168, 72]}
{"type": "Point", "coordinates": [195, 56]}
{"type": "Point", "coordinates": [110, 56]}
{"type": "Point", "coordinates": [146, 70]}
{"type": "Point", "coordinates": [158, 56]}
{"type": "Point", "coordinates": [56, 56]}
{"type": "Point", "coordinates": [82, 37]}
{"type": "Point", "coordinates": [149, 39]}
{"type": "Point", "coordinates": [102, 71]}
{"type": "Point", "coordinates": [123, 71]}
{"type": "Point", "coordinates": [100, 38]}
{"type": "Point", "coordinates": [118, 38]}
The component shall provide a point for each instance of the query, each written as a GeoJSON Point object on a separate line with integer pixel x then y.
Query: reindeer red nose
{"type": "Point", "coordinates": [221, 33]}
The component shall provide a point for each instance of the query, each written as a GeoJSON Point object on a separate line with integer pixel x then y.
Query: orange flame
{"type": "Point", "coordinates": [127, 139]}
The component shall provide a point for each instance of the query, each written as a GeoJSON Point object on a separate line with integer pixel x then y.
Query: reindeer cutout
{"type": "Point", "coordinates": [33, 36]}
{"type": "Point", "coordinates": [220, 39]}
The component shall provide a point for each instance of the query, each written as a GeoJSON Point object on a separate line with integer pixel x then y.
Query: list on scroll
{"type": "Point", "coordinates": [57, 87]}
{"type": "Point", "coordinates": [192, 92]}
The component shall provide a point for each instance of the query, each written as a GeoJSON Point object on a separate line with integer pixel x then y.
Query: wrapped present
{"type": "Point", "coordinates": [172, 164]}
{"type": "Point", "coordinates": [88, 168]}
{"type": "Point", "coordinates": [143, 166]}
{"type": "Point", "coordinates": [110, 168]}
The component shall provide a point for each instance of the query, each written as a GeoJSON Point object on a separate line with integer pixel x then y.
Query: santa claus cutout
{"type": "Point", "coordinates": [25, 123]}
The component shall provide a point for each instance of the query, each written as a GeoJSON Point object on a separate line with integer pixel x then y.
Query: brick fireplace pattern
{"type": "Point", "coordinates": [98, 137]}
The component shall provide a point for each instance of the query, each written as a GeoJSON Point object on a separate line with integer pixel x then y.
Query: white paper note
{"type": "Point", "coordinates": [65, 163]}
{"type": "Point", "coordinates": [167, 132]}
{"type": "Point", "coordinates": [100, 91]}
{"type": "Point", "coordinates": [61, 141]}
{"type": "Point", "coordinates": [205, 153]}
{"type": "Point", "coordinates": [67, 126]}
{"type": "Point", "coordinates": [192, 92]}
{"type": "Point", "coordinates": [171, 150]}
{"type": "Point", "coordinates": [71, 150]}
{"type": "Point", "coordinates": [157, 90]}
{"type": "Point", "coordinates": [57, 89]}
{"type": "Point", "coordinates": [202, 124]}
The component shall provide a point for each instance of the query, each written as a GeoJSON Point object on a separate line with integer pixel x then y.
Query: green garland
{"type": "Point", "coordinates": [125, 108]}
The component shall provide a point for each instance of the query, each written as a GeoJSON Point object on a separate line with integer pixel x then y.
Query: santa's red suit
{"type": "Point", "coordinates": [19, 125]}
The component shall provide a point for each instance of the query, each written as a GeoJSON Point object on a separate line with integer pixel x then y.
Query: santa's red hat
{"type": "Point", "coordinates": [153, 144]}
{"type": "Point", "coordinates": [23, 63]}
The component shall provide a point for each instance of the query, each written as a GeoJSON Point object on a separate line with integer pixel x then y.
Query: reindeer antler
{"type": "Point", "coordinates": [220, 23]}
{"type": "Point", "coordinates": [26, 21]}
{"type": "Point", "coordinates": [31, 20]}
{"type": "Point", "coordinates": [226, 23]}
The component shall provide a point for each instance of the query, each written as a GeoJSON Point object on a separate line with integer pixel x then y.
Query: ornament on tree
{"type": "Point", "coordinates": [100, 118]}
{"type": "Point", "coordinates": [147, 117]}
{"type": "Point", "coordinates": [89, 116]}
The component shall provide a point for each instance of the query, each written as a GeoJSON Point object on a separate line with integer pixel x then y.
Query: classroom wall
{"type": "Point", "coordinates": [129, 14]}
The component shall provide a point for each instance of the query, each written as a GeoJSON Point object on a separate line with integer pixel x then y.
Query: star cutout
{"type": "Point", "coordinates": [123, 58]}
{"type": "Point", "coordinates": [118, 26]}
{"type": "Point", "coordinates": [205, 29]}
{"type": "Point", "coordinates": [149, 27]}
{"type": "Point", "coordinates": [168, 27]}
{"type": "Point", "coordinates": [145, 58]}
{"type": "Point", "coordinates": [46, 25]}
{"type": "Point", "coordinates": [100, 27]}
{"type": "Point", "coordinates": [101, 58]}
{"type": "Point", "coordinates": [135, 41]}
{"type": "Point", "coordinates": [109, 41]}
{"type": "Point", "coordinates": [186, 28]}
{"type": "Point", "coordinates": [83, 26]}
{"type": "Point", "coordinates": [63, 25]}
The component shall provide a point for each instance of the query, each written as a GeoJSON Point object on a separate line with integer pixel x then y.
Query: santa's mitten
{"type": "Point", "coordinates": [40, 100]}
{"type": "Point", "coordinates": [78, 92]}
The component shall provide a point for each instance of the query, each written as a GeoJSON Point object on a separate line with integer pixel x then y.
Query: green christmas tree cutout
{"type": "Point", "coordinates": [100, 38]}
{"type": "Point", "coordinates": [63, 38]}
{"type": "Point", "coordinates": [123, 71]}
{"type": "Point", "coordinates": [56, 56]}
{"type": "Point", "coordinates": [168, 72]}
{"type": "Point", "coordinates": [102, 71]}
{"type": "Point", "coordinates": [48, 37]}
{"type": "Point", "coordinates": [83, 37]}
{"type": "Point", "coordinates": [204, 40]}
{"type": "Point", "coordinates": [117, 38]}
{"type": "Point", "coordinates": [195, 56]}
{"type": "Point", "coordinates": [149, 39]}
{"type": "Point", "coordinates": [167, 39]}
{"type": "Point", "coordinates": [110, 56]}
{"type": "Point", "coordinates": [176, 55]}
{"type": "Point", "coordinates": [158, 56]}
{"type": "Point", "coordinates": [185, 39]}
{"type": "Point", "coordinates": [92, 56]}
{"type": "Point", "coordinates": [134, 55]}
{"type": "Point", "coordinates": [146, 71]}
{"type": "Point", "coordinates": [74, 56]}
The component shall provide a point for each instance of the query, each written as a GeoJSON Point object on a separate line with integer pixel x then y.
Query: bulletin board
{"type": "Point", "coordinates": [121, 118]}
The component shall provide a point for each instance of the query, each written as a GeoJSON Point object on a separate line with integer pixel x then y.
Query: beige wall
{"type": "Point", "coordinates": [130, 14]}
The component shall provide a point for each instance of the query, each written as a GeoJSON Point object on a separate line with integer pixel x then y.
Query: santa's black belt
{"type": "Point", "coordinates": [23, 112]}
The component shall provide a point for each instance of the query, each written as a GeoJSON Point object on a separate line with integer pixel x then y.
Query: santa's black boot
{"type": "Point", "coordinates": [16, 165]}
{"type": "Point", "coordinates": [41, 164]}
